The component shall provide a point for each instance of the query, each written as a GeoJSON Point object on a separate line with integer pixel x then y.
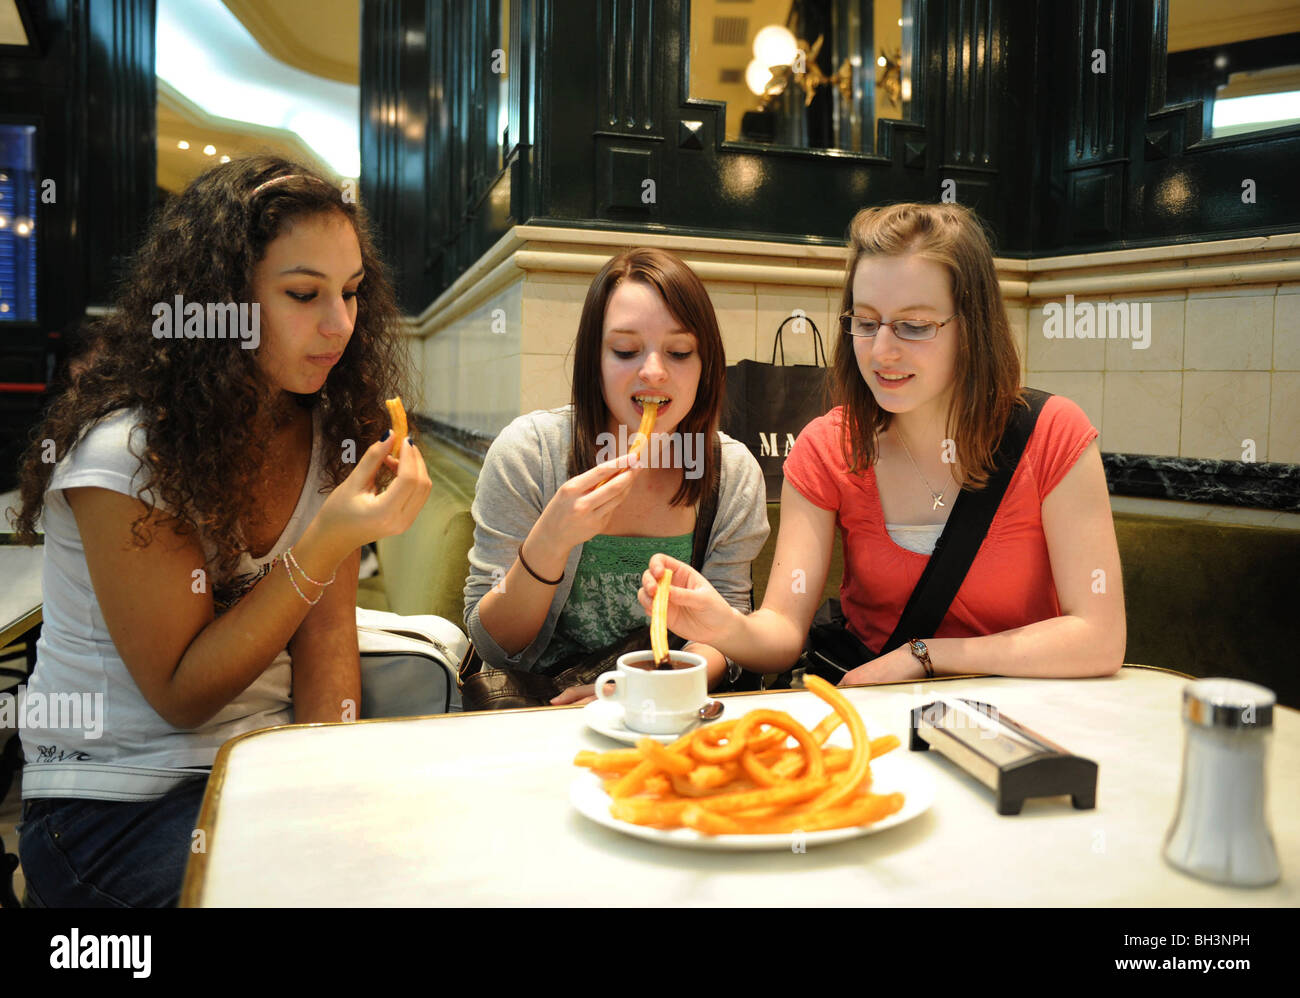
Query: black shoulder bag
{"type": "Point", "coordinates": [832, 649]}
{"type": "Point", "coordinates": [499, 689]}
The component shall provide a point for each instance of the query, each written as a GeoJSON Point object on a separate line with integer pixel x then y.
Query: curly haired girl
{"type": "Point", "coordinates": [201, 500]}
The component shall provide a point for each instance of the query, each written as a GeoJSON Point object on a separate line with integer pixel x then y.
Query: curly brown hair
{"type": "Point", "coordinates": [206, 413]}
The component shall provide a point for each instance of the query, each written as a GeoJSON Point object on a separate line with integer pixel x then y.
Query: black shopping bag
{"type": "Point", "coordinates": [769, 404]}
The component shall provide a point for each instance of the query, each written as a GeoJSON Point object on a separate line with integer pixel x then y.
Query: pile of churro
{"type": "Point", "coordinates": [740, 777]}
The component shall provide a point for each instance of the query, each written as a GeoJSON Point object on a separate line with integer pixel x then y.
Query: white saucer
{"type": "Point", "coordinates": [606, 719]}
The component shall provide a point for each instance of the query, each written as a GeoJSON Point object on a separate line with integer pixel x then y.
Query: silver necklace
{"type": "Point", "coordinates": [936, 496]}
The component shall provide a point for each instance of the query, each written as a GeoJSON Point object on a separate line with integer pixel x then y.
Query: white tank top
{"type": "Point", "coordinates": [87, 730]}
{"type": "Point", "coordinates": [920, 538]}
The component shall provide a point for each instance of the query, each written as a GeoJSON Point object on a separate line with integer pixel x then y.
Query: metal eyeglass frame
{"type": "Point", "coordinates": [844, 327]}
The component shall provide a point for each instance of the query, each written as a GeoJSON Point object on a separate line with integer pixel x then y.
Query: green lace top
{"type": "Point", "coordinates": [602, 604]}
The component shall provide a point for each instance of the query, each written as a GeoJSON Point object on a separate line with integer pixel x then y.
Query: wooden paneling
{"type": "Point", "coordinates": [90, 92]}
{"type": "Point", "coordinates": [1050, 117]}
{"type": "Point", "coordinates": [438, 174]}
{"type": "Point", "coordinates": [118, 103]}
{"type": "Point", "coordinates": [627, 98]}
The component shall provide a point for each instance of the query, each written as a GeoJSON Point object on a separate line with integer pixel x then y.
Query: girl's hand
{"type": "Point", "coordinates": [582, 508]}
{"type": "Point", "coordinates": [696, 611]}
{"type": "Point", "coordinates": [575, 695]}
{"type": "Point", "coordinates": [900, 664]}
{"type": "Point", "coordinates": [355, 514]}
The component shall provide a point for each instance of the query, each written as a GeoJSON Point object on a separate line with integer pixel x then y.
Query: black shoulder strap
{"type": "Point", "coordinates": [965, 530]}
{"type": "Point", "coordinates": [709, 511]}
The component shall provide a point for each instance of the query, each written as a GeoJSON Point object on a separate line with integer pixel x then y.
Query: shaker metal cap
{"type": "Point", "coordinates": [1228, 703]}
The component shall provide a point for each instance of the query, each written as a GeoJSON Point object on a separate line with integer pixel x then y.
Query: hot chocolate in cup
{"type": "Point", "coordinates": [657, 701]}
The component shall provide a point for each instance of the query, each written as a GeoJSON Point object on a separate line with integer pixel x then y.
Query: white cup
{"type": "Point", "coordinates": [657, 701]}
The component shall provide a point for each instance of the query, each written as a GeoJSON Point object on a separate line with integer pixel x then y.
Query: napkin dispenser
{"type": "Point", "coordinates": [1008, 758]}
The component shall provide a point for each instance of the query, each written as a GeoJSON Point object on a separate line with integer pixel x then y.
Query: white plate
{"type": "Point", "coordinates": [894, 771]}
{"type": "Point", "coordinates": [606, 718]}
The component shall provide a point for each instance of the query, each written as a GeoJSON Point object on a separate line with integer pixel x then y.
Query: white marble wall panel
{"type": "Point", "coordinates": [1224, 413]}
{"type": "Point", "coordinates": [1222, 365]}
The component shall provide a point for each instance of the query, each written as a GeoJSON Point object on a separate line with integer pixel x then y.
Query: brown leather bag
{"type": "Point", "coordinates": [503, 689]}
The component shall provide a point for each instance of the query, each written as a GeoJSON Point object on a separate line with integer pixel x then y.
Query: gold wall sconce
{"type": "Point", "coordinates": [798, 66]}
{"type": "Point", "coordinates": [890, 77]}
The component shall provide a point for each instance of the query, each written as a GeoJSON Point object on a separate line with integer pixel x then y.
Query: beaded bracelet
{"type": "Point", "coordinates": [294, 582]}
{"type": "Point", "coordinates": [294, 561]}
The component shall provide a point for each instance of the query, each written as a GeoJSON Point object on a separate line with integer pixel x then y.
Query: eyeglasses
{"type": "Point", "coordinates": [911, 330]}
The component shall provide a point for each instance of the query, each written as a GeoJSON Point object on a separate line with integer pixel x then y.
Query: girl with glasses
{"type": "Point", "coordinates": [927, 374]}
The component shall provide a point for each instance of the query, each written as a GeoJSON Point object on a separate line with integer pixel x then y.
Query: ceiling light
{"type": "Point", "coordinates": [209, 150]}
{"type": "Point", "coordinates": [182, 144]}
{"type": "Point", "coordinates": [206, 54]}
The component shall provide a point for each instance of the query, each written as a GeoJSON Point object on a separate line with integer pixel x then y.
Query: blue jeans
{"type": "Point", "coordinates": [79, 853]}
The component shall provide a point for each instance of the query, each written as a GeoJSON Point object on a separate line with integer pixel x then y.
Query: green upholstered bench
{"type": "Point", "coordinates": [423, 570]}
{"type": "Point", "coordinates": [1212, 599]}
{"type": "Point", "coordinates": [1202, 597]}
{"type": "Point", "coordinates": [762, 566]}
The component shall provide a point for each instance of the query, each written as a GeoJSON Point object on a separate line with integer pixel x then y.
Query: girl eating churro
{"type": "Point", "coordinates": [927, 372]}
{"type": "Point", "coordinates": [215, 480]}
{"type": "Point", "coordinates": [566, 520]}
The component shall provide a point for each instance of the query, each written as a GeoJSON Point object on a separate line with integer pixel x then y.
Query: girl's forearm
{"type": "Point", "coordinates": [762, 641]}
{"type": "Point", "coordinates": [715, 661]}
{"type": "Point", "coordinates": [514, 609]}
{"type": "Point", "coordinates": [324, 653]}
{"type": "Point", "coordinates": [1061, 647]}
{"type": "Point", "coordinates": [235, 648]}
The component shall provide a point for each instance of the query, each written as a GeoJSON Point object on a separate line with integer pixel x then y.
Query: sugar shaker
{"type": "Point", "coordinates": [1220, 831]}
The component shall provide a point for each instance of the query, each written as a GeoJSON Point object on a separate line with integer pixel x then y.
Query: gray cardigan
{"type": "Point", "coordinates": [525, 467]}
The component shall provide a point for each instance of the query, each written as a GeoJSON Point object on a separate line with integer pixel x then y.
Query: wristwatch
{"type": "Point", "coordinates": [922, 654]}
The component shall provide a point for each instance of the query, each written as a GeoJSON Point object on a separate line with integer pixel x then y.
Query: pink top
{"type": "Point", "coordinates": [1009, 583]}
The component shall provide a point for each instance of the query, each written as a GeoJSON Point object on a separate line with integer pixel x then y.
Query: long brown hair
{"type": "Point", "coordinates": [688, 301]}
{"type": "Point", "coordinates": [203, 405]}
{"type": "Point", "coordinates": [986, 380]}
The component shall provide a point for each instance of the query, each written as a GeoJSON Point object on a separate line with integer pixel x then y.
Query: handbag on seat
{"type": "Point", "coordinates": [408, 664]}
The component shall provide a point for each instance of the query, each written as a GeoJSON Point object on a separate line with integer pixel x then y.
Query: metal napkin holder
{"type": "Point", "coordinates": [1008, 758]}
